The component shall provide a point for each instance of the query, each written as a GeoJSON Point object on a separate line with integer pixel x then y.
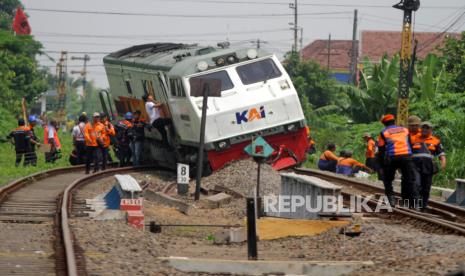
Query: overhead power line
{"type": "Point", "coordinates": [286, 3]}
{"type": "Point", "coordinates": [178, 15]}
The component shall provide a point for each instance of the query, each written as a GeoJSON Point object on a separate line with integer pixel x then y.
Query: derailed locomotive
{"type": "Point", "coordinates": [257, 98]}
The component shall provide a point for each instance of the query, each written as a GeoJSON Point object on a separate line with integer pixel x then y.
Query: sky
{"type": "Point", "coordinates": [98, 27]}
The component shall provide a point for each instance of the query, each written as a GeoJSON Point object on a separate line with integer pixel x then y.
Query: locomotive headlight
{"type": "Point", "coordinates": [231, 59]}
{"type": "Point", "coordinates": [252, 53]}
{"type": "Point", "coordinates": [202, 65]}
{"type": "Point", "coordinates": [220, 61]}
{"type": "Point", "coordinates": [222, 145]}
{"type": "Point", "coordinates": [291, 127]}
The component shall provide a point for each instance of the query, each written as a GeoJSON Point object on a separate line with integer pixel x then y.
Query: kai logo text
{"type": "Point", "coordinates": [250, 114]}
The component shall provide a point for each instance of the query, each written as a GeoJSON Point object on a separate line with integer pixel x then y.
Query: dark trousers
{"type": "Point", "coordinates": [93, 156]}
{"type": "Point", "coordinates": [409, 190]}
{"type": "Point", "coordinates": [30, 158]}
{"type": "Point", "coordinates": [327, 165]}
{"type": "Point", "coordinates": [160, 124]}
{"type": "Point", "coordinates": [19, 157]}
{"type": "Point", "coordinates": [81, 152]}
{"type": "Point", "coordinates": [426, 180]}
{"type": "Point", "coordinates": [136, 149]}
{"type": "Point", "coordinates": [104, 154]}
{"type": "Point", "coordinates": [370, 162]}
{"type": "Point", "coordinates": [124, 155]}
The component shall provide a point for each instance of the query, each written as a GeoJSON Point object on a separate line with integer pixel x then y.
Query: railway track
{"type": "Point", "coordinates": [441, 215]}
{"type": "Point", "coordinates": [35, 238]}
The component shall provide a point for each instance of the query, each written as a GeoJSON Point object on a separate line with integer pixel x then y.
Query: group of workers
{"type": "Point", "coordinates": [92, 138]}
{"type": "Point", "coordinates": [25, 141]}
{"type": "Point", "coordinates": [411, 150]}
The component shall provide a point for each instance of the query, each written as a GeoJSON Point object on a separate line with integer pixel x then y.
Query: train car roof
{"type": "Point", "coordinates": [178, 59]}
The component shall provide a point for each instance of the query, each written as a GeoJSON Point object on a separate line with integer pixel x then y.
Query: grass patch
{"type": "Point", "coordinates": [9, 172]}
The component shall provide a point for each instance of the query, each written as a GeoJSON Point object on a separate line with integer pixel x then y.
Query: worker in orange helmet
{"type": "Point", "coordinates": [426, 148]}
{"type": "Point", "coordinates": [328, 160]}
{"type": "Point", "coordinates": [395, 153]}
{"type": "Point", "coordinates": [348, 166]}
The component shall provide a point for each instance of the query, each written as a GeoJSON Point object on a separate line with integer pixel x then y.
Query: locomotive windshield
{"type": "Point", "coordinates": [226, 82]}
{"type": "Point", "coordinates": [259, 71]}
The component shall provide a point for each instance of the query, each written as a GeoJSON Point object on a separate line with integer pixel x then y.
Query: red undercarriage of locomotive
{"type": "Point", "coordinates": [290, 149]}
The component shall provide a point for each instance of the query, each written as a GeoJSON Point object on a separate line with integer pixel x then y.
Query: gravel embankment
{"type": "Point", "coordinates": [114, 248]}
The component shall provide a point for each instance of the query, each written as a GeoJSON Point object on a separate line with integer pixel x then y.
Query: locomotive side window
{"type": "Point", "coordinates": [148, 87]}
{"type": "Point", "coordinates": [226, 82]}
{"type": "Point", "coordinates": [258, 71]}
{"type": "Point", "coordinates": [177, 90]}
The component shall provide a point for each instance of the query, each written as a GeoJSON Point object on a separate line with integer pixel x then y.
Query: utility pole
{"type": "Point", "coordinates": [83, 74]}
{"type": "Point", "coordinates": [296, 26]}
{"type": "Point", "coordinates": [354, 53]}
{"type": "Point", "coordinates": [408, 6]}
{"type": "Point", "coordinates": [61, 72]}
{"type": "Point", "coordinates": [301, 39]}
{"type": "Point", "coordinates": [258, 43]}
{"type": "Point", "coordinates": [329, 51]}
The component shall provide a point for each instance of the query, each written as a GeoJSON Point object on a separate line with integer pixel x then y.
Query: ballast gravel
{"type": "Point", "coordinates": [114, 248]}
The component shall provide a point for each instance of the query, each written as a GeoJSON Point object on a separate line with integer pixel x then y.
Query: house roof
{"type": "Point", "coordinates": [374, 44]}
{"type": "Point", "coordinates": [340, 53]}
{"type": "Point", "coordinates": [377, 43]}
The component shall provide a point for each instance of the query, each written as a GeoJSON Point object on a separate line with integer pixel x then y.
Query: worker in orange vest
{"type": "Point", "coordinates": [311, 143]}
{"type": "Point", "coordinates": [426, 148]}
{"type": "Point", "coordinates": [51, 138]}
{"type": "Point", "coordinates": [123, 139]}
{"type": "Point", "coordinates": [108, 130]}
{"type": "Point", "coordinates": [370, 152]}
{"type": "Point", "coordinates": [395, 153]}
{"type": "Point", "coordinates": [328, 160]}
{"type": "Point", "coordinates": [94, 139]}
{"type": "Point", "coordinates": [348, 166]}
{"type": "Point", "coordinates": [414, 122]}
{"type": "Point", "coordinates": [20, 136]}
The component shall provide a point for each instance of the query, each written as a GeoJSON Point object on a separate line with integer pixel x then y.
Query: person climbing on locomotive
{"type": "Point", "coordinates": [123, 141]}
{"type": "Point", "coordinates": [154, 110]}
{"type": "Point", "coordinates": [426, 148]}
{"type": "Point", "coordinates": [108, 131]}
{"type": "Point", "coordinates": [328, 160]}
{"type": "Point", "coordinates": [138, 136]}
{"type": "Point", "coordinates": [20, 138]}
{"type": "Point", "coordinates": [348, 166]}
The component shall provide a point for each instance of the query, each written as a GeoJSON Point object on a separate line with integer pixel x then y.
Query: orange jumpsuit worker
{"type": "Point", "coordinates": [370, 152]}
{"type": "Point", "coordinates": [426, 147]}
{"type": "Point", "coordinates": [395, 153]}
{"type": "Point", "coordinates": [347, 165]}
{"type": "Point", "coordinates": [93, 137]}
{"type": "Point", "coordinates": [311, 143]}
{"type": "Point", "coordinates": [108, 130]}
{"type": "Point", "coordinates": [328, 160]}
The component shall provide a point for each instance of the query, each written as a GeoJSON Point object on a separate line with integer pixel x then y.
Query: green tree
{"type": "Point", "coordinates": [453, 54]}
{"type": "Point", "coordinates": [7, 13]}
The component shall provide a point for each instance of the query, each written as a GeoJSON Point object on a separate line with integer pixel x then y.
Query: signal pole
{"type": "Point", "coordinates": [354, 53]}
{"type": "Point", "coordinates": [408, 6]}
{"type": "Point", "coordinates": [83, 73]}
{"type": "Point", "coordinates": [329, 51]}
{"type": "Point", "coordinates": [296, 26]}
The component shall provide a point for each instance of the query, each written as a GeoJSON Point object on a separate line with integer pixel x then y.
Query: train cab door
{"type": "Point", "coordinates": [105, 101]}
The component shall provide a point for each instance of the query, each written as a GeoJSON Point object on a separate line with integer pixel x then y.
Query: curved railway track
{"type": "Point", "coordinates": [440, 215]}
{"type": "Point", "coordinates": [35, 237]}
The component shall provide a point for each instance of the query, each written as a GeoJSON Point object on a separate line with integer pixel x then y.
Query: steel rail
{"type": "Point", "coordinates": [67, 205]}
{"type": "Point", "coordinates": [456, 227]}
{"type": "Point", "coordinates": [456, 210]}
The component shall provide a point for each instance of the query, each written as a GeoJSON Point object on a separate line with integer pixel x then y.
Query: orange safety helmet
{"type": "Point", "coordinates": [387, 118]}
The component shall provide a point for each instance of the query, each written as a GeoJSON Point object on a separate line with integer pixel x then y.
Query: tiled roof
{"type": "Point", "coordinates": [374, 44]}
{"type": "Point", "coordinates": [340, 50]}
{"type": "Point", "coordinates": [377, 43]}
